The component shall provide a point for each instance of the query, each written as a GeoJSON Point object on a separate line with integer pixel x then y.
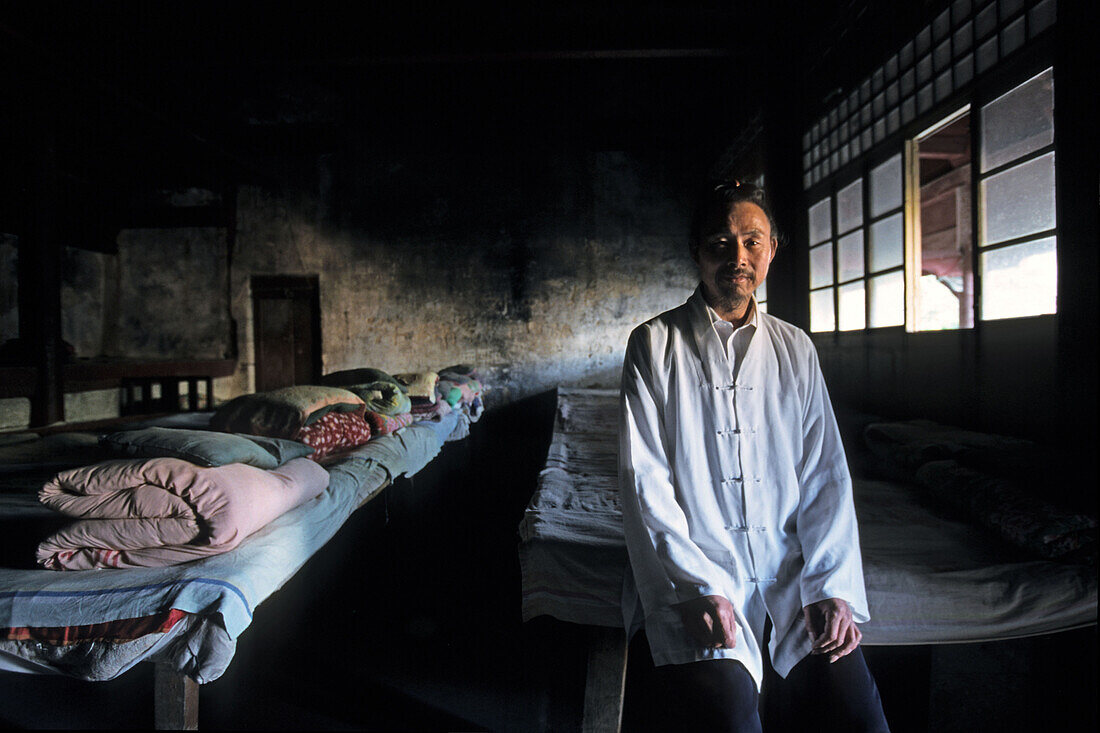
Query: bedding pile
{"type": "Point", "coordinates": [233, 512]}
{"type": "Point", "coordinates": [326, 418]}
{"type": "Point", "coordinates": [182, 494]}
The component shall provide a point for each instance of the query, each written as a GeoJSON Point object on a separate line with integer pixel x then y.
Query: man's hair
{"type": "Point", "coordinates": [716, 199]}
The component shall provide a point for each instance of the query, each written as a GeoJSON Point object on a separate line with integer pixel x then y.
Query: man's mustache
{"type": "Point", "coordinates": [730, 273]}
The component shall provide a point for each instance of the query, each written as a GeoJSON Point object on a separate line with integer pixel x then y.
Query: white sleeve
{"type": "Point", "coordinates": [668, 566]}
{"type": "Point", "coordinates": [827, 528]}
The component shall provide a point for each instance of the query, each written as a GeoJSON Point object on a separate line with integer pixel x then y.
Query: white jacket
{"type": "Point", "coordinates": [729, 487]}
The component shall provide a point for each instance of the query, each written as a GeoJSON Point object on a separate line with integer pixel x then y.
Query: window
{"type": "Point", "coordinates": [1017, 223]}
{"type": "Point", "coordinates": [941, 256]}
{"type": "Point", "coordinates": [856, 272]}
{"type": "Point", "coordinates": [963, 228]}
{"type": "Point", "coordinates": [896, 245]}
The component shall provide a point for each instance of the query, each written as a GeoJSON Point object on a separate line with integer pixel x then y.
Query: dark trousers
{"type": "Point", "coordinates": [720, 695]}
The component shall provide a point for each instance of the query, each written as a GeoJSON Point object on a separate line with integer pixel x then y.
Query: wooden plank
{"type": "Point", "coordinates": [606, 681]}
{"type": "Point", "coordinates": [175, 700]}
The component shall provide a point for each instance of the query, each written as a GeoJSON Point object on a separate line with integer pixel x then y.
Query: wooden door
{"type": "Point", "coordinates": [286, 317]}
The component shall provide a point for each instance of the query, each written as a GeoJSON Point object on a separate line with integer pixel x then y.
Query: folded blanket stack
{"type": "Point", "coordinates": [164, 511]}
{"type": "Point", "coordinates": [327, 418]}
{"type": "Point", "coordinates": [465, 379]}
{"type": "Point", "coordinates": [426, 409]}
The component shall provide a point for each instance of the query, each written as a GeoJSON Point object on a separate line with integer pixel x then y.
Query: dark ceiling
{"type": "Point", "coordinates": [173, 93]}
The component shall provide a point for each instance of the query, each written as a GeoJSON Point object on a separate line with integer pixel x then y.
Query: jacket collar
{"type": "Point", "coordinates": [710, 347]}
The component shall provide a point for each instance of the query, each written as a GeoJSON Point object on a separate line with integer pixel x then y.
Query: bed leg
{"type": "Point", "coordinates": [603, 689]}
{"type": "Point", "coordinates": [175, 700]}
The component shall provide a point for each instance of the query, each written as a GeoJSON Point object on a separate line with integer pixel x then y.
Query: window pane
{"type": "Point", "coordinates": [886, 186]}
{"type": "Point", "coordinates": [1018, 122]}
{"type": "Point", "coordinates": [821, 222]}
{"type": "Point", "coordinates": [1042, 17]}
{"type": "Point", "coordinates": [853, 312]}
{"type": "Point", "coordinates": [964, 70]}
{"type": "Point", "coordinates": [821, 265]}
{"type": "Point", "coordinates": [939, 303]}
{"type": "Point", "coordinates": [822, 317]}
{"type": "Point", "coordinates": [762, 291]}
{"type": "Point", "coordinates": [887, 244]}
{"type": "Point", "coordinates": [1021, 280]}
{"type": "Point", "coordinates": [1012, 37]}
{"type": "Point", "coordinates": [850, 256]}
{"type": "Point", "coordinates": [987, 55]}
{"type": "Point", "coordinates": [849, 206]}
{"type": "Point", "coordinates": [886, 294]}
{"type": "Point", "coordinates": [1018, 201]}
{"type": "Point", "coordinates": [986, 21]}
{"type": "Point", "coordinates": [963, 39]}
{"type": "Point", "coordinates": [943, 86]}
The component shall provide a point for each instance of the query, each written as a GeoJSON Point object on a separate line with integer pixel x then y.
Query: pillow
{"type": "Point", "coordinates": [905, 446]}
{"type": "Point", "coordinates": [381, 392]}
{"type": "Point", "coordinates": [284, 450]}
{"type": "Point", "coordinates": [418, 384]}
{"type": "Point", "coordinates": [201, 447]}
{"type": "Point", "coordinates": [1021, 519]}
{"type": "Point", "coordinates": [334, 432]}
{"type": "Point", "coordinates": [366, 375]}
{"type": "Point", "coordinates": [282, 413]}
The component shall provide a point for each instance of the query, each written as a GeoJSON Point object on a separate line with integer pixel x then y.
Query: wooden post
{"type": "Point", "coordinates": [175, 700]}
{"type": "Point", "coordinates": [40, 277]}
{"type": "Point", "coordinates": [606, 681]}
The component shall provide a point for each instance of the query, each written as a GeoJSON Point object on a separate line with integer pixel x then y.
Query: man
{"type": "Point", "coordinates": [736, 496]}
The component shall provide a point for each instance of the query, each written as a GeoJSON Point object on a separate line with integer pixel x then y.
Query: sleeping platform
{"type": "Point", "coordinates": [184, 618]}
{"type": "Point", "coordinates": [939, 568]}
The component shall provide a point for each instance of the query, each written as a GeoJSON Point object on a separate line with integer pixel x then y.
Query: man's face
{"type": "Point", "coordinates": [734, 255]}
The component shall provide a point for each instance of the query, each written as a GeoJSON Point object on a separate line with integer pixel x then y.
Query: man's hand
{"type": "Point", "coordinates": [710, 619]}
{"type": "Point", "coordinates": [831, 628]}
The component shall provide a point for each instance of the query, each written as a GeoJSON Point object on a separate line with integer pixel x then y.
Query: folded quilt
{"type": "Point", "coordinates": [385, 424]}
{"type": "Point", "coordinates": [165, 511]}
{"type": "Point", "coordinates": [423, 409]}
{"type": "Point", "coordinates": [335, 432]}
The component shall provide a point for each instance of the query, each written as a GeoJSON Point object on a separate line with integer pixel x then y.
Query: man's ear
{"type": "Point", "coordinates": [775, 248]}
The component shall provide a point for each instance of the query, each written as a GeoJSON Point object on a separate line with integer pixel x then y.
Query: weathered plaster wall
{"type": "Point", "coordinates": [86, 282]}
{"type": "Point", "coordinates": [171, 295]}
{"type": "Point", "coordinates": [533, 266]}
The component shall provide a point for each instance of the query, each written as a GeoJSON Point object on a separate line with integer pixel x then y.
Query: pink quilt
{"type": "Point", "coordinates": [165, 511]}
